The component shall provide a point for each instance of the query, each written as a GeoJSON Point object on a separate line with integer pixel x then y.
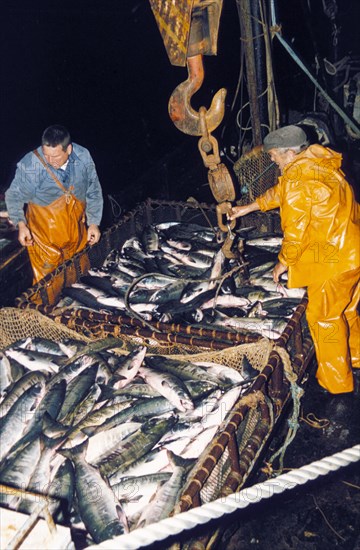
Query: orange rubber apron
{"type": "Point", "coordinates": [58, 230]}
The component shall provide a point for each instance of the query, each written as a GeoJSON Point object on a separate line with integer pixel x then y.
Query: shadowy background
{"type": "Point", "coordinates": [101, 69]}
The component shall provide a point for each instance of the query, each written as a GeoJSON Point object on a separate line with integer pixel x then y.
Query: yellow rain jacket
{"type": "Point", "coordinates": [321, 248]}
{"type": "Point", "coordinates": [319, 217]}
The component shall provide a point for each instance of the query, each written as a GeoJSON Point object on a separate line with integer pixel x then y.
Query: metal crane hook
{"type": "Point", "coordinates": [185, 118]}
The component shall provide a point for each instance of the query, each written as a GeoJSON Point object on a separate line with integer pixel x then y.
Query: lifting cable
{"type": "Point", "coordinates": [275, 29]}
{"type": "Point", "coordinates": [227, 505]}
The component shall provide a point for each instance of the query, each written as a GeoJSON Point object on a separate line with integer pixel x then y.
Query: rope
{"type": "Point", "coordinates": [296, 393]}
{"type": "Point", "coordinates": [229, 504]}
{"type": "Point", "coordinates": [293, 422]}
{"type": "Point", "coordinates": [314, 422]}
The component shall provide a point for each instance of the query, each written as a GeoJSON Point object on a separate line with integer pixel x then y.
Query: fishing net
{"type": "Point", "coordinates": [214, 484]}
{"type": "Point", "coordinates": [233, 452]}
{"type": "Point", "coordinates": [255, 173]}
{"type": "Point", "coordinates": [257, 354]}
{"type": "Point", "coordinates": [16, 325]}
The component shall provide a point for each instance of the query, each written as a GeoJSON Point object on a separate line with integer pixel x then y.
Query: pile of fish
{"type": "Point", "coordinates": [108, 437]}
{"type": "Point", "coordinates": [177, 272]}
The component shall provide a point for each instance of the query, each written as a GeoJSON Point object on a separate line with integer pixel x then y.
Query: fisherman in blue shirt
{"type": "Point", "coordinates": [55, 200]}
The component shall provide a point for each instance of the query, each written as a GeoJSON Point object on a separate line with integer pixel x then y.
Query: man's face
{"type": "Point", "coordinates": [281, 158]}
{"type": "Point", "coordinates": [56, 156]}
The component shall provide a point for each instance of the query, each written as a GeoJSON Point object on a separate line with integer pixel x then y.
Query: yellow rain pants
{"type": "Point", "coordinates": [335, 329]}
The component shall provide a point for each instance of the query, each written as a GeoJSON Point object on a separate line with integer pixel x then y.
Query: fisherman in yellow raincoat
{"type": "Point", "coordinates": [320, 249]}
{"type": "Point", "coordinates": [55, 200]}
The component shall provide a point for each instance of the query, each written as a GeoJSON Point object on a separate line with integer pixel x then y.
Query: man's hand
{"type": "Point", "coordinates": [93, 234]}
{"type": "Point", "coordinates": [278, 270]}
{"type": "Point", "coordinates": [25, 237]}
{"type": "Point", "coordinates": [238, 211]}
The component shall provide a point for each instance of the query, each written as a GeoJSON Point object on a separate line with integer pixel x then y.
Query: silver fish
{"type": "Point", "coordinates": [150, 239]}
{"type": "Point", "coordinates": [6, 377]}
{"type": "Point", "coordinates": [19, 388]}
{"type": "Point", "coordinates": [166, 496]}
{"type": "Point", "coordinates": [33, 360]}
{"type": "Point", "coordinates": [256, 310]}
{"type": "Point", "coordinates": [50, 405]}
{"type": "Point", "coordinates": [268, 242]}
{"type": "Point", "coordinates": [101, 444]}
{"type": "Point", "coordinates": [267, 327]}
{"type": "Point", "coordinates": [103, 284]}
{"type": "Point", "coordinates": [75, 365]}
{"type": "Point", "coordinates": [217, 269]}
{"type": "Point", "coordinates": [193, 290]}
{"type": "Point", "coordinates": [131, 488]}
{"type": "Point", "coordinates": [135, 446]}
{"type": "Point", "coordinates": [17, 471]}
{"type": "Point", "coordinates": [193, 259]}
{"type": "Point", "coordinates": [14, 423]}
{"type": "Point", "coordinates": [225, 374]}
{"type": "Point", "coordinates": [96, 292]}
{"type": "Point", "coordinates": [99, 508]}
{"type": "Point", "coordinates": [225, 300]}
{"type": "Point", "coordinates": [41, 345]}
{"type": "Point", "coordinates": [154, 461]}
{"type": "Point", "coordinates": [83, 407]}
{"type": "Point", "coordinates": [82, 297]}
{"type": "Point", "coordinates": [115, 276]}
{"type": "Point", "coordinates": [126, 367]}
{"type": "Point", "coordinates": [181, 245]}
{"type": "Point", "coordinates": [62, 488]}
{"type": "Point", "coordinates": [183, 369]}
{"type": "Point", "coordinates": [117, 302]}
{"type": "Point", "coordinates": [132, 248]}
{"type": "Point", "coordinates": [130, 269]}
{"type": "Point", "coordinates": [213, 421]}
{"type": "Point", "coordinates": [171, 291]}
{"type": "Point", "coordinates": [40, 479]}
{"type": "Point", "coordinates": [140, 409]}
{"type": "Point", "coordinates": [77, 390]}
{"type": "Point", "coordinates": [96, 418]}
{"type": "Point", "coordinates": [169, 386]}
{"type": "Point", "coordinates": [263, 268]}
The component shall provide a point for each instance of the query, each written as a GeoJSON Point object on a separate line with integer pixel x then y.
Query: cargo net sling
{"type": "Point", "coordinates": [237, 423]}
{"type": "Point", "coordinates": [16, 325]}
{"type": "Point", "coordinates": [255, 173]}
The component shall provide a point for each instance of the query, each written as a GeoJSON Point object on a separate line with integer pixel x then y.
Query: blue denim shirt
{"type": "Point", "coordinates": [32, 183]}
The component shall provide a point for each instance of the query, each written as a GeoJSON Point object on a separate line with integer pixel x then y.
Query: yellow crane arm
{"type": "Point", "coordinates": [187, 27]}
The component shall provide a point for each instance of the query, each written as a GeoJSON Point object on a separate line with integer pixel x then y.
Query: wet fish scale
{"type": "Point", "coordinates": [13, 424]}
{"type": "Point", "coordinates": [136, 445]}
{"type": "Point", "coordinates": [99, 508]}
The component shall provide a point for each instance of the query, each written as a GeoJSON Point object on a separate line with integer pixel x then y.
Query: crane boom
{"type": "Point", "coordinates": [187, 27]}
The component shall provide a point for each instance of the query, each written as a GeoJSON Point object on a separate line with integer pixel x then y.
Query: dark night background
{"type": "Point", "coordinates": [101, 69]}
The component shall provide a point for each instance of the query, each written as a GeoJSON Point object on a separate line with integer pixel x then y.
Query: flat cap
{"type": "Point", "coordinates": [288, 136]}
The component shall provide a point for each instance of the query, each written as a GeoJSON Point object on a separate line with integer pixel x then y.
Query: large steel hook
{"type": "Point", "coordinates": [185, 118]}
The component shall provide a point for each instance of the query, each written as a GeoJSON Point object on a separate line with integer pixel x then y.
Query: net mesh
{"type": "Point", "coordinates": [255, 173]}
{"type": "Point", "coordinates": [18, 324]}
{"type": "Point", "coordinates": [257, 354]}
{"type": "Point", "coordinates": [213, 486]}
